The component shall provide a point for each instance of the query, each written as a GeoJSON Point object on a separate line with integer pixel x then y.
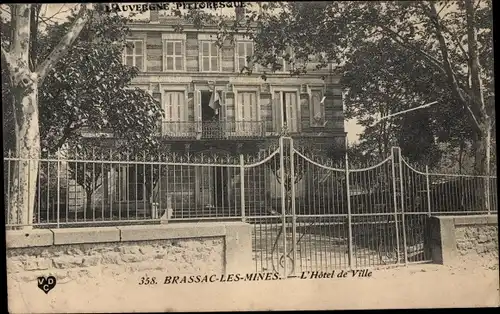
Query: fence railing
{"type": "Point", "coordinates": [441, 193]}
{"type": "Point", "coordinates": [217, 129]}
{"type": "Point", "coordinates": [117, 189]}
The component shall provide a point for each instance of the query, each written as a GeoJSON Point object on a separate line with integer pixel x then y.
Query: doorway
{"type": "Point", "coordinates": [289, 111]}
{"type": "Point", "coordinates": [207, 113]}
{"type": "Point", "coordinates": [220, 179]}
{"type": "Point", "coordinates": [209, 117]}
{"type": "Point", "coordinates": [213, 189]}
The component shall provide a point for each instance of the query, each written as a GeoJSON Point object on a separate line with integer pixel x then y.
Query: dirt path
{"type": "Point", "coordinates": [464, 285]}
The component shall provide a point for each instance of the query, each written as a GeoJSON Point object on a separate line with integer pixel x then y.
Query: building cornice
{"type": "Point", "coordinates": [173, 24]}
{"type": "Point", "coordinates": [202, 75]}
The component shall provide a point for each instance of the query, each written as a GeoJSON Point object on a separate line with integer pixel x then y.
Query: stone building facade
{"type": "Point", "coordinates": [182, 70]}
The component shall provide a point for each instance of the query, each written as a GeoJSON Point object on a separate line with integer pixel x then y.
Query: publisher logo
{"type": "Point", "coordinates": [46, 284]}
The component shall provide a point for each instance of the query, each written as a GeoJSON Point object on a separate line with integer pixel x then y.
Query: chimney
{"type": "Point", "coordinates": [240, 12]}
{"type": "Point", "coordinates": [154, 16]}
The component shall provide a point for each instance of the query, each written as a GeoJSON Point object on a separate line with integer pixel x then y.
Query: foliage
{"type": "Point", "coordinates": [89, 88]}
{"type": "Point", "coordinates": [405, 53]}
{"type": "Point", "coordinates": [386, 86]}
{"type": "Point", "coordinates": [417, 142]}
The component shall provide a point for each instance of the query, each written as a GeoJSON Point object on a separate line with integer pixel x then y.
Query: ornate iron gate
{"type": "Point", "coordinates": [320, 216]}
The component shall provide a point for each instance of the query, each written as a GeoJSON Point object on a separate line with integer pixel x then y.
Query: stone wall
{"type": "Point", "coordinates": [177, 249]}
{"type": "Point", "coordinates": [455, 238]}
{"type": "Point", "coordinates": [480, 240]}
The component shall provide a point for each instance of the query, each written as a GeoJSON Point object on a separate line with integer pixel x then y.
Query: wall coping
{"type": "Point", "coordinates": [470, 220]}
{"type": "Point", "coordinates": [62, 236]}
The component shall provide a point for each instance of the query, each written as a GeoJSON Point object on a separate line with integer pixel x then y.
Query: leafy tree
{"type": "Point", "coordinates": [89, 89]}
{"type": "Point", "coordinates": [383, 87]}
{"type": "Point", "coordinates": [25, 77]}
{"type": "Point", "coordinates": [452, 40]}
{"type": "Point", "coordinates": [85, 90]}
{"type": "Point", "coordinates": [417, 142]}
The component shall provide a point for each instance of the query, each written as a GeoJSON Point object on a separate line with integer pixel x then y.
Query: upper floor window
{"type": "Point", "coordinates": [174, 46]}
{"type": "Point", "coordinates": [286, 65]}
{"type": "Point", "coordinates": [317, 108]}
{"type": "Point", "coordinates": [209, 56]}
{"type": "Point", "coordinates": [134, 54]}
{"type": "Point", "coordinates": [243, 52]}
{"type": "Point", "coordinates": [174, 56]}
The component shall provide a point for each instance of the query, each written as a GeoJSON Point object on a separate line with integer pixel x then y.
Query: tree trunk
{"type": "Point", "coordinates": [24, 179]}
{"type": "Point", "coordinates": [88, 204]}
{"type": "Point", "coordinates": [460, 157]}
{"type": "Point", "coordinates": [24, 89]}
{"type": "Point", "coordinates": [481, 147]}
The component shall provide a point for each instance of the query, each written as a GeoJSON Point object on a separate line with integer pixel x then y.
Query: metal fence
{"type": "Point", "coordinates": [307, 213]}
{"type": "Point", "coordinates": [110, 188]}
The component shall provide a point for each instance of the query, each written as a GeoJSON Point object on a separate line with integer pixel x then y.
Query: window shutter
{"type": "Point", "coordinates": [252, 107]}
{"type": "Point", "coordinates": [181, 114]}
{"type": "Point", "coordinates": [237, 56]}
{"type": "Point", "coordinates": [223, 109]}
{"type": "Point", "coordinates": [317, 109]}
{"type": "Point", "coordinates": [239, 106]}
{"type": "Point", "coordinates": [183, 44]}
{"type": "Point", "coordinates": [164, 55]}
{"type": "Point", "coordinates": [200, 57]}
{"type": "Point", "coordinates": [186, 102]}
{"type": "Point", "coordinates": [197, 110]}
{"type": "Point", "coordinates": [277, 112]}
{"type": "Point", "coordinates": [291, 103]}
{"type": "Point", "coordinates": [251, 49]}
{"type": "Point", "coordinates": [179, 56]}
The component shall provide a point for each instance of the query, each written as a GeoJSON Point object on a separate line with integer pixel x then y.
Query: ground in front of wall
{"type": "Point", "coordinates": [470, 283]}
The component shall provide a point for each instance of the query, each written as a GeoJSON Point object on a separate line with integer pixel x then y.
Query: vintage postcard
{"type": "Point", "coordinates": [241, 156]}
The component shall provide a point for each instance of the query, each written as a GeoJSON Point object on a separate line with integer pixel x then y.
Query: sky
{"type": "Point", "coordinates": [60, 12]}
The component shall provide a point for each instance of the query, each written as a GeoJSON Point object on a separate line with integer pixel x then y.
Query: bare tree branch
{"type": "Point", "coordinates": [457, 90]}
{"type": "Point", "coordinates": [406, 44]}
{"type": "Point", "coordinates": [62, 6]}
{"type": "Point", "coordinates": [65, 43]}
{"type": "Point", "coordinates": [45, 20]}
{"type": "Point", "coordinates": [477, 5]}
{"type": "Point", "coordinates": [444, 7]}
{"type": "Point", "coordinates": [34, 14]}
{"type": "Point", "coordinates": [455, 40]}
{"type": "Point", "coordinates": [474, 56]}
{"type": "Point", "coordinates": [5, 10]}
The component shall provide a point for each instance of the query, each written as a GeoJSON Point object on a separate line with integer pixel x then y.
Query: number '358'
{"type": "Point", "coordinates": [147, 281]}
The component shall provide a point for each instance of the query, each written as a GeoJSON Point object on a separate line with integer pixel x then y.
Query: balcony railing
{"type": "Point", "coordinates": [216, 129]}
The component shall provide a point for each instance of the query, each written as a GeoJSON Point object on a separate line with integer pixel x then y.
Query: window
{"type": "Point", "coordinates": [175, 113]}
{"type": "Point", "coordinates": [285, 65]}
{"type": "Point", "coordinates": [317, 109]}
{"type": "Point", "coordinates": [285, 111]}
{"type": "Point", "coordinates": [173, 55]}
{"type": "Point", "coordinates": [290, 111]}
{"type": "Point", "coordinates": [244, 50]}
{"type": "Point", "coordinates": [209, 57]}
{"type": "Point", "coordinates": [247, 106]}
{"type": "Point", "coordinates": [134, 54]}
{"type": "Point", "coordinates": [247, 114]}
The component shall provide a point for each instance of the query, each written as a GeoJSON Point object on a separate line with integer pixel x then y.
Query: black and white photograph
{"type": "Point", "coordinates": [243, 156]}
